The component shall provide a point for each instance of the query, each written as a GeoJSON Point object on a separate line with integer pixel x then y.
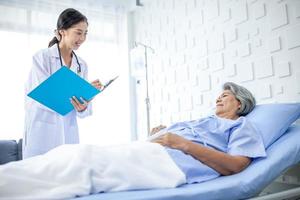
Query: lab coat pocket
{"type": "Point", "coordinates": [43, 136]}
{"type": "Point", "coordinates": [44, 115]}
{"type": "Point", "coordinates": [72, 136]}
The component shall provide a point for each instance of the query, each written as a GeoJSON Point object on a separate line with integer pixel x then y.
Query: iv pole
{"type": "Point", "coordinates": [147, 100]}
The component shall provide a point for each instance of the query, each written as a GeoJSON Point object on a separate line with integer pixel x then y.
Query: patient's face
{"type": "Point", "coordinates": [227, 105]}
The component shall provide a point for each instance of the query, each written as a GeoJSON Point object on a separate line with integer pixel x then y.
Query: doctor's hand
{"type": "Point", "coordinates": [173, 141]}
{"type": "Point", "coordinates": [97, 84]}
{"type": "Point", "coordinates": [78, 105]}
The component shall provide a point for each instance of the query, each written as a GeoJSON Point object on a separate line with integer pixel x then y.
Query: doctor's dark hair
{"type": "Point", "coordinates": [67, 19]}
{"type": "Point", "coordinates": [243, 95]}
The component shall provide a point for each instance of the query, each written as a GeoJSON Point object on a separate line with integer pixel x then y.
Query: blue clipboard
{"type": "Point", "coordinates": [55, 92]}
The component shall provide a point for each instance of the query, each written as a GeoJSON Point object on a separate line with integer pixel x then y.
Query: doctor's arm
{"type": "Point", "coordinates": [224, 163]}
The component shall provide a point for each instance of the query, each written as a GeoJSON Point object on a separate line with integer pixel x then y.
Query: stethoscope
{"type": "Point", "coordinates": [73, 53]}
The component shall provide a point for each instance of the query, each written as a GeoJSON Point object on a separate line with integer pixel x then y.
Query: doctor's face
{"type": "Point", "coordinates": [74, 36]}
{"type": "Point", "coordinates": [227, 105]}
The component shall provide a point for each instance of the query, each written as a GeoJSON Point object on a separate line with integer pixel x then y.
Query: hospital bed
{"type": "Point", "coordinates": [282, 142]}
{"type": "Point", "coordinates": [283, 152]}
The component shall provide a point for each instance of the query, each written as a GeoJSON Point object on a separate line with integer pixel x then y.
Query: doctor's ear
{"type": "Point", "coordinates": [61, 32]}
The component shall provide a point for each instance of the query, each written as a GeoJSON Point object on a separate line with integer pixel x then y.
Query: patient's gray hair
{"type": "Point", "coordinates": [243, 95]}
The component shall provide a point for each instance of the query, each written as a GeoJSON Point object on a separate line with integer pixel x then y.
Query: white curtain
{"type": "Point", "coordinates": [27, 26]}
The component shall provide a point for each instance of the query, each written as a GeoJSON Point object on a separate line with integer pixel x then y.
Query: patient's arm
{"type": "Point", "coordinates": [224, 163]}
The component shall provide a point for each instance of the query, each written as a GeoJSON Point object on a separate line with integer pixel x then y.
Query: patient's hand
{"type": "Point", "coordinates": [173, 141]}
{"type": "Point", "coordinates": [156, 129]}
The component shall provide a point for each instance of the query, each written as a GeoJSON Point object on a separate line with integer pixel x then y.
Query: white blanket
{"type": "Point", "coordinates": [77, 170]}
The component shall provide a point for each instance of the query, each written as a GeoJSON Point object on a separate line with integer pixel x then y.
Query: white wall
{"type": "Point", "coordinates": [200, 44]}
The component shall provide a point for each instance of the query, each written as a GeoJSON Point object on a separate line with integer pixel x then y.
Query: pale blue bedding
{"type": "Point", "coordinates": [283, 153]}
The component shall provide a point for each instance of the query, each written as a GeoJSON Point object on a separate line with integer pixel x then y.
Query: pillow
{"type": "Point", "coordinates": [272, 120]}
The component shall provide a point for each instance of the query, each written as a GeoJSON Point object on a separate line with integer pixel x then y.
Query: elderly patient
{"type": "Point", "coordinates": [186, 152]}
{"type": "Point", "coordinates": [221, 144]}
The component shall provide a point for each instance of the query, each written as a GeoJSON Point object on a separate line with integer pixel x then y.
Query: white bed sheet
{"type": "Point", "coordinates": [282, 154]}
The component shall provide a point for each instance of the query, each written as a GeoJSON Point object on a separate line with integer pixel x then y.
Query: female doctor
{"type": "Point", "coordinates": [44, 128]}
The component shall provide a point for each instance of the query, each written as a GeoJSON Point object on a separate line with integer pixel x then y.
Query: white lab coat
{"type": "Point", "coordinates": [44, 128]}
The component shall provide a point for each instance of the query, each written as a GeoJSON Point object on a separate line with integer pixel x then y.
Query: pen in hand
{"type": "Point", "coordinates": [109, 82]}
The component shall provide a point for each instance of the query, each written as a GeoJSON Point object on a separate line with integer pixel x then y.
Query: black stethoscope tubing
{"type": "Point", "coordinates": [61, 63]}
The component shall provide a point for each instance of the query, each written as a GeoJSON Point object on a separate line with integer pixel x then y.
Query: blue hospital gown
{"type": "Point", "coordinates": [235, 137]}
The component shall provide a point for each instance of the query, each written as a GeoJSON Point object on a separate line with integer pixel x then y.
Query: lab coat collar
{"type": "Point", "coordinates": [54, 53]}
